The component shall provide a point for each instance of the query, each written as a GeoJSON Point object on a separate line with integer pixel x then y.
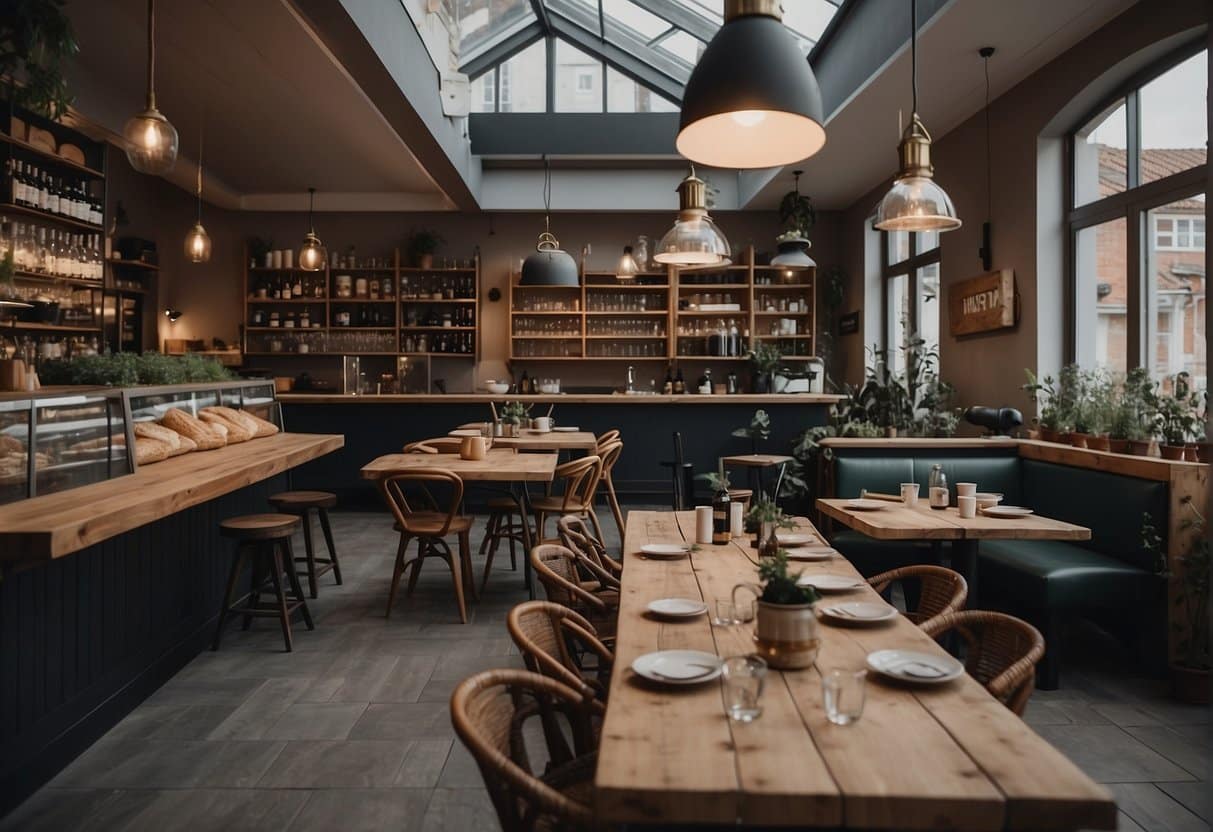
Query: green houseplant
{"type": "Point", "coordinates": [759, 430]}
{"type": "Point", "coordinates": [1093, 410]}
{"type": "Point", "coordinates": [1177, 417]}
{"type": "Point", "coordinates": [423, 243]}
{"type": "Point", "coordinates": [1043, 392]}
{"type": "Point", "coordinates": [36, 39]}
{"type": "Point", "coordinates": [1132, 415]}
{"type": "Point", "coordinates": [785, 632]}
{"type": "Point", "coordinates": [765, 359]}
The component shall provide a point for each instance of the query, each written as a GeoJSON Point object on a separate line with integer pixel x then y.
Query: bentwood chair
{"type": "Point", "coordinates": [580, 479]}
{"type": "Point", "coordinates": [937, 590]}
{"type": "Point", "coordinates": [593, 557]}
{"type": "Point", "coordinates": [438, 445]}
{"type": "Point", "coordinates": [609, 450]}
{"type": "Point", "coordinates": [410, 496]}
{"type": "Point", "coordinates": [489, 712]}
{"type": "Point", "coordinates": [560, 644]}
{"type": "Point", "coordinates": [1000, 651]}
{"type": "Point", "coordinates": [557, 570]}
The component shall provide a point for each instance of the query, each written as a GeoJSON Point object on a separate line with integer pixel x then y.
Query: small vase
{"type": "Point", "coordinates": [768, 539]}
{"type": "Point", "coordinates": [1204, 452]}
{"type": "Point", "coordinates": [762, 383]}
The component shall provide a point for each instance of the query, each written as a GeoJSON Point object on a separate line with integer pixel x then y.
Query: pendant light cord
{"type": "Point", "coordinates": [151, 54]}
{"type": "Point", "coordinates": [989, 158]}
{"type": "Point", "coordinates": [311, 198]}
{"type": "Point", "coordinates": [914, 53]}
{"type": "Point", "coordinates": [200, 174]}
{"type": "Point", "coordinates": [547, 194]}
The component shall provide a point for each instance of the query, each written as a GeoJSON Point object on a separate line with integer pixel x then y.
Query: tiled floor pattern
{"type": "Point", "coordinates": [351, 731]}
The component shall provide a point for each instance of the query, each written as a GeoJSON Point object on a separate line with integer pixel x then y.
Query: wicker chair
{"type": "Point", "coordinates": [610, 450]}
{"type": "Point", "coordinates": [581, 478]}
{"type": "Point", "coordinates": [594, 559]}
{"type": "Point", "coordinates": [940, 590]}
{"type": "Point", "coordinates": [1001, 652]}
{"type": "Point", "coordinates": [557, 569]}
{"type": "Point", "coordinates": [558, 643]}
{"type": "Point", "coordinates": [489, 711]}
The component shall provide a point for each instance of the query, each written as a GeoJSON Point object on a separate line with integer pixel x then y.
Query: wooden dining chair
{"type": "Point", "coordinates": [1000, 651]}
{"type": "Point", "coordinates": [610, 451]}
{"type": "Point", "coordinates": [490, 711]}
{"type": "Point", "coordinates": [559, 643]}
{"type": "Point", "coordinates": [580, 479]}
{"type": "Point", "coordinates": [437, 445]}
{"type": "Point", "coordinates": [608, 436]}
{"type": "Point", "coordinates": [934, 590]}
{"type": "Point", "coordinates": [556, 568]}
{"type": "Point", "coordinates": [593, 555]}
{"type": "Point", "coordinates": [504, 524]}
{"type": "Point", "coordinates": [410, 496]}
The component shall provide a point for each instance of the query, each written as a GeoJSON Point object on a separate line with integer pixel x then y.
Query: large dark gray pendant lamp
{"type": "Point", "coordinates": [550, 265]}
{"type": "Point", "coordinates": [752, 100]}
{"type": "Point", "coordinates": [916, 202]}
{"type": "Point", "coordinates": [694, 240]}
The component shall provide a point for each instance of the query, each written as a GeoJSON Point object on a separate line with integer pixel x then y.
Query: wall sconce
{"type": "Point", "coordinates": [173, 314]}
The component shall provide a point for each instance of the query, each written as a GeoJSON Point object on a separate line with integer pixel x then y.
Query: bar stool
{"type": "Point", "coordinates": [302, 503]}
{"type": "Point", "coordinates": [682, 477]}
{"type": "Point", "coordinates": [265, 539]}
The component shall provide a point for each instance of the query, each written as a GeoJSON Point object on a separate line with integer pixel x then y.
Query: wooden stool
{"type": "Point", "coordinates": [502, 526]}
{"type": "Point", "coordinates": [743, 496]}
{"type": "Point", "coordinates": [301, 503]}
{"type": "Point", "coordinates": [266, 539]}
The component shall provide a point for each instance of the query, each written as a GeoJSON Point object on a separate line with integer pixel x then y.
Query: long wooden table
{"type": "Point", "coordinates": [555, 440]}
{"type": "Point", "coordinates": [919, 758]}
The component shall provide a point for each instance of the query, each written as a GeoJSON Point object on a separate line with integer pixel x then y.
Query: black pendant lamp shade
{"type": "Point", "coordinates": [752, 100]}
{"type": "Point", "coordinates": [550, 265]}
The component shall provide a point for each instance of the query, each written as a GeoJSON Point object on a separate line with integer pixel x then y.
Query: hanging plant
{"type": "Point", "coordinates": [36, 37]}
{"type": "Point", "coordinates": [796, 212]}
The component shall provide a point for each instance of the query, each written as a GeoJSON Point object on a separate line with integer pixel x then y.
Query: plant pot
{"type": "Point", "coordinates": [762, 383]}
{"type": "Point", "coordinates": [1175, 453]}
{"type": "Point", "coordinates": [890, 433]}
{"type": "Point", "coordinates": [1204, 452]}
{"type": "Point", "coordinates": [784, 634]}
{"type": "Point", "coordinates": [509, 430]}
{"type": "Point", "coordinates": [1139, 447]}
{"type": "Point", "coordinates": [1063, 437]}
{"type": "Point", "coordinates": [1099, 442]}
{"type": "Point", "coordinates": [1192, 452]}
{"type": "Point", "coordinates": [1033, 434]}
{"type": "Point", "coordinates": [1078, 440]}
{"type": "Point", "coordinates": [1048, 434]}
{"type": "Point", "coordinates": [1190, 684]}
{"type": "Point", "coordinates": [1118, 446]}
{"type": "Point", "coordinates": [425, 261]}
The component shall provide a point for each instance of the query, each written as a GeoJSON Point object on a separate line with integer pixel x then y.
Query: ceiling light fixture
{"type": "Point", "coordinates": [549, 265]}
{"type": "Point", "coordinates": [694, 240]}
{"type": "Point", "coordinates": [312, 255]}
{"type": "Point", "coordinates": [986, 252]}
{"type": "Point", "coordinates": [793, 245]}
{"type": "Point", "coordinates": [752, 101]}
{"type": "Point", "coordinates": [627, 269]}
{"type": "Point", "coordinates": [916, 202]}
{"type": "Point", "coordinates": [198, 242]}
{"type": "Point", "coordinates": [151, 142]}
{"type": "Point", "coordinates": [173, 315]}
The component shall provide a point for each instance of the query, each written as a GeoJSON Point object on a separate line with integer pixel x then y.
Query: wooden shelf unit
{"type": "Point", "coordinates": [667, 288]}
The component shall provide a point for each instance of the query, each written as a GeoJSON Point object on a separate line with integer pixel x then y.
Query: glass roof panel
{"type": "Point", "coordinates": [481, 23]}
{"type": "Point", "coordinates": [683, 46]}
{"type": "Point", "coordinates": [628, 14]}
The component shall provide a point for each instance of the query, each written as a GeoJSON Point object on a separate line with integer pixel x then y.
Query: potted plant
{"type": "Point", "coordinates": [512, 414]}
{"type": "Point", "coordinates": [1043, 392]}
{"type": "Point", "coordinates": [1130, 416]}
{"type": "Point", "coordinates": [1093, 411]}
{"type": "Point", "coordinates": [1203, 448]}
{"type": "Point", "coordinates": [1069, 391]}
{"type": "Point", "coordinates": [422, 245]}
{"type": "Point", "coordinates": [786, 627]}
{"type": "Point", "coordinates": [1177, 418]}
{"type": "Point", "coordinates": [758, 430]}
{"type": "Point", "coordinates": [36, 38]}
{"type": "Point", "coordinates": [766, 359]}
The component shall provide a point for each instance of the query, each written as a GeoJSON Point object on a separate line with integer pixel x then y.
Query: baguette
{"type": "Point", "coordinates": [188, 426]}
{"type": "Point", "coordinates": [151, 430]}
{"type": "Point", "coordinates": [148, 451]}
{"type": "Point", "coordinates": [264, 426]}
{"type": "Point", "coordinates": [236, 417]}
{"type": "Point", "coordinates": [235, 432]}
{"type": "Point", "coordinates": [10, 445]}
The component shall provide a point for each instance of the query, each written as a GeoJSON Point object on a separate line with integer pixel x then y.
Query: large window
{"type": "Point", "coordinates": [1137, 225]}
{"type": "Point", "coordinates": [911, 296]}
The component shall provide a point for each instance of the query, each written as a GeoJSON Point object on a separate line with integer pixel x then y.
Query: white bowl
{"type": "Point", "coordinates": [987, 499]}
{"type": "Point", "coordinates": [497, 388]}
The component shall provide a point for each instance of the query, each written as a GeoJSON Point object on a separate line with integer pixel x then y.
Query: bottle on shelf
{"type": "Point", "coordinates": [680, 385]}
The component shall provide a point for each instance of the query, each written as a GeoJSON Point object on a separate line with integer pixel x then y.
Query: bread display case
{"type": "Point", "coordinates": [61, 438]}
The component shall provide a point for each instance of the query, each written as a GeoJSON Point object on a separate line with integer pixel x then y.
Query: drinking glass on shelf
{"type": "Point", "coordinates": [744, 677]}
{"type": "Point", "coordinates": [843, 693]}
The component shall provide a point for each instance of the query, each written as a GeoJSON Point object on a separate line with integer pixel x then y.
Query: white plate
{"type": "Point", "coordinates": [858, 612]}
{"type": "Point", "coordinates": [538, 431]}
{"type": "Point", "coordinates": [865, 505]}
{"type": "Point", "coordinates": [678, 667]}
{"type": "Point", "coordinates": [794, 538]}
{"type": "Point", "coordinates": [665, 550]}
{"type": "Point", "coordinates": [566, 429]}
{"type": "Point", "coordinates": [912, 666]}
{"type": "Point", "coordinates": [677, 607]}
{"type": "Point", "coordinates": [825, 582]}
{"type": "Point", "coordinates": [811, 553]}
{"type": "Point", "coordinates": [465, 432]}
{"type": "Point", "coordinates": [1006, 511]}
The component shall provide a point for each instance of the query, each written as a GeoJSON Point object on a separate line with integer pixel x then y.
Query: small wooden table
{"type": "Point", "coordinates": [897, 522]}
{"type": "Point", "coordinates": [556, 440]}
{"type": "Point", "coordinates": [756, 463]}
{"type": "Point", "coordinates": [919, 758]}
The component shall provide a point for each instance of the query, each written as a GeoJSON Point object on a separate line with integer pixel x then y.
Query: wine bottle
{"type": "Point", "coordinates": [721, 501]}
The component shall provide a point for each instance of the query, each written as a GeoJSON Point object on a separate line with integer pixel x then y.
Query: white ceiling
{"type": "Point", "coordinates": [280, 113]}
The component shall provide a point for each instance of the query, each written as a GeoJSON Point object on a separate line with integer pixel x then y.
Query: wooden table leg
{"type": "Point", "coordinates": [524, 506]}
{"type": "Point", "coordinates": [964, 559]}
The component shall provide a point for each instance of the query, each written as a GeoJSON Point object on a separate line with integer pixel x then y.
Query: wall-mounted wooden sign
{"type": "Point", "coordinates": [982, 303]}
{"type": "Point", "coordinates": [848, 324]}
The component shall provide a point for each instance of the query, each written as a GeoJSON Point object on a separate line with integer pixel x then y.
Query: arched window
{"type": "Point", "coordinates": [1137, 288]}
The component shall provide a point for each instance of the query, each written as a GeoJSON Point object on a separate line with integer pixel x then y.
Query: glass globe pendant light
{"type": "Point", "coordinates": [198, 242]}
{"type": "Point", "coordinates": [549, 265]}
{"type": "Point", "coordinates": [752, 101]}
{"type": "Point", "coordinates": [312, 254]}
{"type": "Point", "coordinates": [694, 240]}
{"type": "Point", "coordinates": [627, 269]}
{"type": "Point", "coordinates": [916, 202]}
{"type": "Point", "coordinates": [151, 142]}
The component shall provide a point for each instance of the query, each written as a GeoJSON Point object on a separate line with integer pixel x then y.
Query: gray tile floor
{"type": "Point", "coordinates": [351, 731]}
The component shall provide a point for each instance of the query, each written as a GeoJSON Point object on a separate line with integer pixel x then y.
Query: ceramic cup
{"type": "Point", "coordinates": [472, 448]}
{"type": "Point", "coordinates": [909, 494]}
{"type": "Point", "coordinates": [703, 524]}
{"type": "Point", "coordinates": [543, 424]}
{"type": "Point", "coordinates": [966, 489]}
{"type": "Point", "coordinates": [737, 519]}
{"type": "Point", "coordinates": [967, 506]}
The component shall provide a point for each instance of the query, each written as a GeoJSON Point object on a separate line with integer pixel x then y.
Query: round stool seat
{"type": "Point", "coordinates": [740, 494]}
{"type": "Point", "coordinates": [259, 526]}
{"type": "Point", "coordinates": [291, 501]}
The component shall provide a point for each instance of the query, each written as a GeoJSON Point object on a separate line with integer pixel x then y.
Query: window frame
{"type": "Point", "coordinates": [1133, 205]}
{"type": "Point", "coordinates": [1178, 221]}
{"type": "Point", "coordinates": [909, 267]}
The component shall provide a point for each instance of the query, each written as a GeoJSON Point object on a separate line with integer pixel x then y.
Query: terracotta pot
{"type": "Point", "coordinates": [425, 261]}
{"type": "Point", "coordinates": [1176, 453]}
{"type": "Point", "coordinates": [1190, 684]}
{"type": "Point", "coordinates": [1204, 452]}
{"type": "Point", "coordinates": [890, 433]}
{"type": "Point", "coordinates": [1139, 447]}
{"type": "Point", "coordinates": [1078, 440]}
{"type": "Point", "coordinates": [784, 634]}
{"type": "Point", "coordinates": [1048, 434]}
{"type": "Point", "coordinates": [1034, 434]}
{"type": "Point", "coordinates": [1099, 442]}
{"type": "Point", "coordinates": [1063, 437]}
{"type": "Point", "coordinates": [1192, 452]}
{"type": "Point", "coordinates": [1118, 446]}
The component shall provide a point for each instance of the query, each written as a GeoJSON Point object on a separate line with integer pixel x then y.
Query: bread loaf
{"type": "Point", "coordinates": [148, 451]}
{"type": "Point", "coordinates": [151, 430]}
{"type": "Point", "coordinates": [235, 432]}
{"type": "Point", "coordinates": [188, 426]}
{"type": "Point", "coordinates": [10, 445]}
{"type": "Point", "coordinates": [264, 427]}
{"type": "Point", "coordinates": [236, 417]}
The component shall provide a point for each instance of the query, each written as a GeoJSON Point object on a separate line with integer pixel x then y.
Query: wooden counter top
{"type": "Point", "coordinates": [560, 398]}
{"type": "Point", "coordinates": [58, 524]}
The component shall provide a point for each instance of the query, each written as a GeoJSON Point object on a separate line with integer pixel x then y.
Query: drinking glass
{"type": "Point", "coordinates": [843, 692]}
{"type": "Point", "coordinates": [743, 680]}
{"type": "Point", "coordinates": [725, 614]}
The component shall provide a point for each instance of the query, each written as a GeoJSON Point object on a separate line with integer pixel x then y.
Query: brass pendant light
{"type": "Point", "coordinates": [752, 101]}
{"type": "Point", "coordinates": [198, 242]}
{"type": "Point", "coordinates": [916, 202]}
{"type": "Point", "coordinates": [694, 240]}
{"type": "Point", "coordinates": [151, 142]}
{"type": "Point", "coordinates": [549, 265]}
{"type": "Point", "coordinates": [627, 269]}
{"type": "Point", "coordinates": [312, 254]}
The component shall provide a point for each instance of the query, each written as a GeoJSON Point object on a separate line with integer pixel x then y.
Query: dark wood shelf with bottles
{"type": "Point", "coordinates": [133, 264]}
{"type": "Point", "coordinates": [48, 216]}
{"type": "Point", "coordinates": [52, 158]}
{"type": "Point", "coordinates": [33, 326]}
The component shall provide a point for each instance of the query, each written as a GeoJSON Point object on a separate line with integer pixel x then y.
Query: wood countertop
{"type": "Point", "coordinates": [55, 525]}
{"type": "Point", "coordinates": [560, 398]}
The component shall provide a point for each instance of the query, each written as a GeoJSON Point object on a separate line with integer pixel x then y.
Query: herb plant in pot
{"type": "Point", "coordinates": [765, 359]}
{"type": "Point", "coordinates": [1177, 418]}
{"type": "Point", "coordinates": [1044, 394]}
{"type": "Point", "coordinates": [1094, 410]}
{"type": "Point", "coordinates": [759, 430]}
{"type": "Point", "coordinates": [423, 244]}
{"type": "Point", "coordinates": [512, 414]}
{"type": "Point", "coordinates": [785, 632]}
{"type": "Point", "coordinates": [1133, 414]}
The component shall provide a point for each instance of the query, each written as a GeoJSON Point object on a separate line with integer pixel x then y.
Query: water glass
{"type": "Point", "coordinates": [726, 615]}
{"type": "Point", "coordinates": [843, 692]}
{"type": "Point", "coordinates": [744, 677]}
